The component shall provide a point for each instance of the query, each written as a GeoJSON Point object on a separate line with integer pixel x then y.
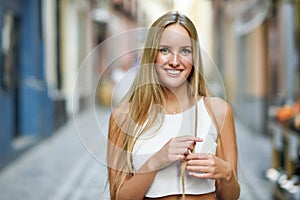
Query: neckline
{"type": "Point", "coordinates": [187, 110]}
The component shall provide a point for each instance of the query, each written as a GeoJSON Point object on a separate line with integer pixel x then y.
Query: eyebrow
{"type": "Point", "coordinates": [162, 45]}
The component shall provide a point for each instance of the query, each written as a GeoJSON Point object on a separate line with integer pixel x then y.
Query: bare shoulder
{"type": "Point", "coordinates": [120, 109]}
{"type": "Point", "coordinates": [218, 106]}
{"type": "Point", "coordinates": [119, 115]}
{"type": "Point", "coordinates": [117, 124]}
{"type": "Point", "coordinates": [221, 113]}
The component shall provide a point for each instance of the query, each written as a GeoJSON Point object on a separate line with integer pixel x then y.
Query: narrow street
{"type": "Point", "coordinates": [60, 167]}
{"type": "Point", "coordinates": [58, 56]}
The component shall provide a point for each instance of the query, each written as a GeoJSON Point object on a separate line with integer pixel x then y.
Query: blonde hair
{"type": "Point", "coordinates": [147, 92]}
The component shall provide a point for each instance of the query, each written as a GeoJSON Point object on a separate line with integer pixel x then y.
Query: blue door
{"type": "Point", "coordinates": [10, 40]}
{"type": "Point", "coordinates": [26, 111]}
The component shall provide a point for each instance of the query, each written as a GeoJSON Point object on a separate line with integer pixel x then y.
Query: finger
{"type": "Point", "coordinates": [202, 175]}
{"type": "Point", "coordinates": [189, 138]}
{"type": "Point", "coordinates": [202, 156]}
{"type": "Point", "coordinates": [181, 150]}
{"type": "Point", "coordinates": [199, 163]}
{"type": "Point", "coordinates": [187, 145]}
{"type": "Point", "coordinates": [198, 139]}
{"type": "Point", "coordinates": [201, 169]}
{"type": "Point", "coordinates": [184, 144]}
{"type": "Point", "coordinates": [174, 157]}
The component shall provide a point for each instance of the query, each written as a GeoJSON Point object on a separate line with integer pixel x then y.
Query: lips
{"type": "Point", "coordinates": [173, 72]}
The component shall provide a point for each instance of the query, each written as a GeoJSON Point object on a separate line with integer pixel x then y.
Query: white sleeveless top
{"type": "Point", "coordinates": [168, 180]}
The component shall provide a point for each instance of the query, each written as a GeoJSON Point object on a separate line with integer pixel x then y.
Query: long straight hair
{"type": "Point", "coordinates": [147, 92]}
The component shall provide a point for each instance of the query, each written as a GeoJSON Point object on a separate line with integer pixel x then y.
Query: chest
{"type": "Point", "coordinates": [173, 126]}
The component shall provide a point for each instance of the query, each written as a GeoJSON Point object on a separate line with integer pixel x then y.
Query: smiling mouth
{"type": "Point", "coordinates": [173, 72]}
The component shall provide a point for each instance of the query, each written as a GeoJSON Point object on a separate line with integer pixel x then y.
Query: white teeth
{"type": "Point", "coordinates": [173, 72]}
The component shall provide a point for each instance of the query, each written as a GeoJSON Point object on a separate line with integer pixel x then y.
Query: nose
{"type": "Point", "coordinates": [174, 60]}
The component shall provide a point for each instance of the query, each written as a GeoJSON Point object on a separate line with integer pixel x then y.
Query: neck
{"type": "Point", "coordinates": [178, 100]}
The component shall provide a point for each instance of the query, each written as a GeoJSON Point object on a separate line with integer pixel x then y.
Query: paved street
{"type": "Point", "coordinates": [60, 167]}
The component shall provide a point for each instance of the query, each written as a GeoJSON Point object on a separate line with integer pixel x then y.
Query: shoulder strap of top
{"type": "Point", "coordinates": [208, 104]}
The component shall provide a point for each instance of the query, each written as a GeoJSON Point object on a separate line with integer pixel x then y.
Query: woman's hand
{"type": "Point", "coordinates": [176, 149]}
{"type": "Point", "coordinates": [208, 166]}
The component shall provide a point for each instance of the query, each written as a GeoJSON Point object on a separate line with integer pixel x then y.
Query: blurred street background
{"type": "Point", "coordinates": [64, 64]}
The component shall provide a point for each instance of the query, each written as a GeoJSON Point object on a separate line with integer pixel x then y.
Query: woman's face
{"type": "Point", "coordinates": [174, 59]}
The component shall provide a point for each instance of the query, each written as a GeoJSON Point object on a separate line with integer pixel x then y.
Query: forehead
{"type": "Point", "coordinates": [174, 35]}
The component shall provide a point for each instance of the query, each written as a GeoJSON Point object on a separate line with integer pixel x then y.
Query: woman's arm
{"type": "Point", "coordinates": [136, 186]}
{"type": "Point", "coordinates": [123, 184]}
{"type": "Point", "coordinates": [223, 166]}
{"type": "Point", "coordinates": [227, 188]}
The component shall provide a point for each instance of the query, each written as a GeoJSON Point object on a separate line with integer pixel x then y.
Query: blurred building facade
{"type": "Point", "coordinates": [257, 50]}
{"type": "Point", "coordinates": [42, 44]}
{"type": "Point", "coordinates": [113, 21]}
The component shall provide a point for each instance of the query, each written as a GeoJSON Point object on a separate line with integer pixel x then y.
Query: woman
{"type": "Point", "coordinates": [168, 139]}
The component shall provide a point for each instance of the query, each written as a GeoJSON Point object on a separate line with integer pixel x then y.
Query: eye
{"type": "Point", "coordinates": [164, 50]}
{"type": "Point", "coordinates": [185, 51]}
